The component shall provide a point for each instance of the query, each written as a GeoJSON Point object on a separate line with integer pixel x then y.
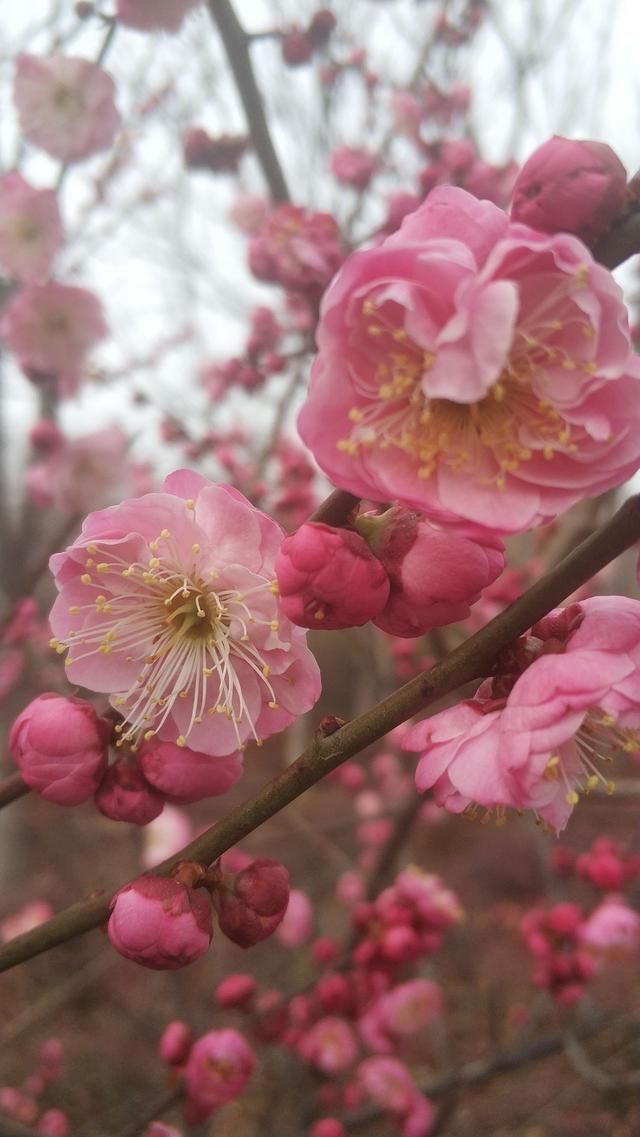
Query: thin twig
{"type": "Point", "coordinates": [11, 788]}
{"type": "Point", "coordinates": [236, 44]}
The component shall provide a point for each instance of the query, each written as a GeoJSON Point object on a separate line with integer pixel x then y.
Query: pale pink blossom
{"type": "Point", "coordinates": [217, 1071]}
{"type": "Point", "coordinates": [160, 923]}
{"type": "Point", "coordinates": [154, 15]}
{"type": "Point", "coordinates": [249, 213]}
{"type": "Point", "coordinates": [330, 1045]}
{"type": "Point", "coordinates": [82, 472]}
{"type": "Point", "coordinates": [565, 702]}
{"type": "Point", "coordinates": [401, 1012]}
{"type": "Point", "coordinates": [60, 747]}
{"type": "Point", "coordinates": [475, 370]}
{"type": "Point", "coordinates": [50, 328]}
{"type": "Point", "coordinates": [164, 836]}
{"type": "Point", "coordinates": [612, 929]}
{"type": "Point", "coordinates": [167, 603]}
{"type": "Point", "coordinates": [329, 578]}
{"type": "Point", "coordinates": [65, 105]}
{"type": "Point", "coordinates": [297, 921]}
{"type": "Point", "coordinates": [30, 229]}
{"type": "Point", "coordinates": [388, 1083]}
{"type": "Point", "coordinates": [53, 1123]}
{"type": "Point", "coordinates": [183, 776]}
{"type": "Point", "coordinates": [570, 185]}
{"type": "Point", "coordinates": [353, 166]}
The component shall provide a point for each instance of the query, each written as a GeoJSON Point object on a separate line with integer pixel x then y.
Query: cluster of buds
{"type": "Point", "coordinates": [605, 865]}
{"type": "Point", "coordinates": [396, 569]}
{"type": "Point", "coordinates": [61, 747]}
{"type": "Point", "coordinates": [218, 155]}
{"type": "Point", "coordinates": [260, 359]}
{"type": "Point", "coordinates": [212, 1070]}
{"type": "Point", "coordinates": [297, 249]}
{"type": "Point", "coordinates": [167, 923]}
{"type": "Point", "coordinates": [563, 967]}
{"type": "Point", "coordinates": [23, 1106]}
{"type": "Point", "coordinates": [299, 45]}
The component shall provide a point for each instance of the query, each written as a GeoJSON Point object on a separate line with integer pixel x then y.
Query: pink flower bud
{"type": "Point", "coordinates": [434, 574]}
{"type": "Point", "coordinates": [329, 578]}
{"type": "Point", "coordinates": [45, 436]}
{"type": "Point", "coordinates": [296, 47]}
{"type": "Point", "coordinates": [327, 1127]}
{"type": "Point", "coordinates": [60, 746]}
{"type": "Point", "coordinates": [160, 923]}
{"type": "Point", "coordinates": [53, 1123]}
{"type": "Point", "coordinates": [321, 26]}
{"type": "Point", "coordinates": [235, 991]}
{"type": "Point", "coordinates": [175, 1043]}
{"type": "Point", "coordinates": [124, 795]}
{"type": "Point", "coordinates": [353, 166]}
{"type": "Point", "coordinates": [182, 775]}
{"type": "Point", "coordinates": [330, 1045]}
{"type": "Point", "coordinates": [251, 909]}
{"type": "Point", "coordinates": [388, 1083]}
{"type": "Point", "coordinates": [218, 1068]}
{"type": "Point", "coordinates": [570, 186]}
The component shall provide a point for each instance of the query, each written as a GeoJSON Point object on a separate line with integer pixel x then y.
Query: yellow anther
{"type": "Point", "coordinates": [74, 610]}
{"type": "Point", "coordinates": [102, 567]}
{"type": "Point", "coordinates": [181, 740]}
{"type": "Point", "coordinates": [85, 578]}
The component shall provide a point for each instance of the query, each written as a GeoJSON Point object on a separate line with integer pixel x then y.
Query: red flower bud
{"type": "Point", "coordinates": [251, 909]}
{"type": "Point", "coordinates": [160, 923]}
{"type": "Point", "coordinates": [60, 746]}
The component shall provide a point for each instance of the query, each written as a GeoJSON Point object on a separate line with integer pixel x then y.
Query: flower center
{"type": "Point", "coordinates": [193, 640]}
{"type": "Point", "coordinates": [513, 423]}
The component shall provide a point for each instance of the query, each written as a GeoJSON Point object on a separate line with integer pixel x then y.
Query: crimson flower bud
{"type": "Point", "coordinates": [60, 746]}
{"type": "Point", "coordinates": [182, 775]}
{"type": "Point", "coordinates": [329, 578]}
{"type": "Point", "coordinates": [160, 923]}
{"type": "Point", "coordinates": [251, 909]}
{"type": "Point", "coordinates": [125, 795]}
{"type": "Point", "coordinates": [296, 47]}
{"type": "Point", "coordinates": [570, 186]}
{"type": "Point", "coordinates": [220, 155]}
{"type": "Point", "coordinates": [175, 1043]}
{"type": "Point", "coordinates": [434, 574]}
{"type": "Point", "coordinates": [235, 991]}
{"type": "Point", "coordinates": [321, 26]}
{"type": "Point", "coordinates": [218, 1068]}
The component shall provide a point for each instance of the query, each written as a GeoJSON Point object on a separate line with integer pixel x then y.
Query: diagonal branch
{"type": "Point", "coordinates": [236, 44]}
{"type": "Point", "coordinates": [470, 660]}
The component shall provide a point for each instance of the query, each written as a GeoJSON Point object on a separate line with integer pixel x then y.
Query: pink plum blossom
{"type": "Point", "coordinates": [183, 776]}
{"type": "Point", "coordinates": [475, 370]}
{"type": "Point", "coordinates": [612, 929]}
{"type": "Point", "coordinates": [353, 166]}
{"type": "Point", "coordinates": [571, 186]}
{"type": "Point", "coordinates": [297, 922]}
{"type": "Point", "coordinates": [567, 700]}
{"type": "Point", "coordinates": [164, 836]}
{"type": "Point", "coordinates": [81, 472]}
{"type": "Point", "coordinates": [65, 105]}
{"type": "Point", "coordinates": [50, 328]}
{"type": "Point", "coordinates": [329, 578]}
{"type": "Point", "coordinates": [434, 574]}
{"type": "Point", "coordinates": [167, 603]}
{"type": "Point", "coordinates": [388, 1083]}
{"type": "Point", "coordinates": [330, 1045]}
{"type": "Point", "coordinates": [60, 747]}
{"type": "Point", "coordinates": [217, 1071]}
{"type": "Point", "coordinates": [53, 1123]}
{"type": "Point", "coordinates": [401, 1012]}
{"type": "Point", "coordinates": [154, 15]}
{"type": "Point", "coordinates": [160, 923]}
{"type": "Point", "coordinates": [297, 249]}
{"type": "Point", "coordinates": [30, 229]}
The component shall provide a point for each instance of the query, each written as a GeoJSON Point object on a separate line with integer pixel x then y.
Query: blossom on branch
{"type": "Point", "coordinates": [60, 746]}
{"type": "Point", "coordinates": [154, 15]}
{"type": "Point", "coordinates": [30, 229]}
{"type": "Point", "coordinates": [65, 105]}
{"type": "Point", "coordinates": [160, 923]}
{"type": "Point", "coordinates": [50, 328]}
{"type": "Point", "coordinates": [168, 604]}
{"type": "Point", "coordinates": [475, 370]}
{"type": "Point", "coordinates": [564, 701]}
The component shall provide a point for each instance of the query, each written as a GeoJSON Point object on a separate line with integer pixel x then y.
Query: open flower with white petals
{"type": "Point", "coordinates": [168, 603]}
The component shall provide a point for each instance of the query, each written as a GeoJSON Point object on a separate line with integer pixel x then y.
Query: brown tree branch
{"type": "Point", "coordinates": [622, 240]}
{"type": "Point", "coordinates": [336, 509]}
{"type": "Point", "coordinates": [236, 44]}
{"type": "Point", "coordinates": [11, 788]}
{"type": "Point", "coordinates": [470, 660]}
